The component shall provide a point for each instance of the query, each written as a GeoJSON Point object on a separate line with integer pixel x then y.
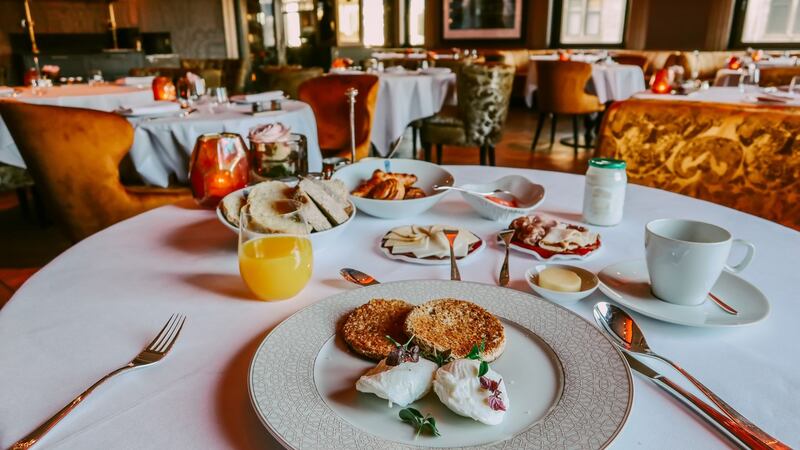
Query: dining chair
{"type": "Point", "coordinates": [74, 155]}
{"type": "Point", "coordinates": [561, 90]}
{"type": "Point", "coordinates": [285, 78]}
{"type": "Point", "coordinates": [326, 96]}
{"type": "Point", "coordinates": [632, 59]}
{"type": "Point", "coordinates": [484, 93]}
{"type": "Point", "coordinates": [777, 76]}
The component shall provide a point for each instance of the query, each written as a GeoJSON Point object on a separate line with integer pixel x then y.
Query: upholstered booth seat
{"type": "Point", "coordinates": [746, 157]}
{"type": "Point", "coordinates": [285, 78]}
{"type": "Point", "coordinates": [778, 76]}
{"type": "Point", "coordinates": [73, 156]}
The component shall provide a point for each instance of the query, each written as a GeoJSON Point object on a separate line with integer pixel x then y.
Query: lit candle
{"type": "Point", "coordinates": [660, 83]}
{"type": "Point", "coordinates": [563, 56]}
{"type": "Point", "coordinates": [219, 183]}
{"type": "Point", "coordinates": [734, 63]}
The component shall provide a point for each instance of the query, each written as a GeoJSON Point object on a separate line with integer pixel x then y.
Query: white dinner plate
{"type": "Point", "coordinates": [556, 257]}
{"type": "Point", "coordinates": [629, 286]}
{"type": "Point", "coordinates": [432, 261]}
{"type": "Point", "coordinates": [568, 386]}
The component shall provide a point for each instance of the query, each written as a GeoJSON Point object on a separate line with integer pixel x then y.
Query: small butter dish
{"type": "Point", "coordinates": [589, 283]}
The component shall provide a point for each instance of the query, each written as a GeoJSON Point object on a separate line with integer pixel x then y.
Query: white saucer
{"type": "Point", "coordinates": [629, 286]}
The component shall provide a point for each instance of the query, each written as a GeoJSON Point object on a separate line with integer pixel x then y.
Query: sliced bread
{"type": "Point", "coordinates": [267, 204]}
{"type": "Point", "coordinates": [455, 325]}
{"type": "Point", "coordinates": [231, 206]}
{"type": "Point", "coordinates": [333, 209]}
{"type": "Point", "coordinates": [311, 212]}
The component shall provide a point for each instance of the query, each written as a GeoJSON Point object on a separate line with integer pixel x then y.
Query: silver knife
{"type": "Point", "coordinates": [730, 429]}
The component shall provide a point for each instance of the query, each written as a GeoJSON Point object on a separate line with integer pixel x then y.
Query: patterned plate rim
{"type": "Point", "coordinates": [577, 398]}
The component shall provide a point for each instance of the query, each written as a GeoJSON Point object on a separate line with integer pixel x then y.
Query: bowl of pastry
{"type": "Point", "coordinates": [517, 196]}
{"type": "Point", "coordinates": [324, 204]}
{"type": "Point", "coordinates": [396, 188]}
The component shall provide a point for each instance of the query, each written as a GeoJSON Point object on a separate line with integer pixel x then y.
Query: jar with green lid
{"type": "Point", "coordinates": [604, 194]}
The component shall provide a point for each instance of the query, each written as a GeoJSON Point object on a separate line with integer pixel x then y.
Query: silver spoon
{"type": "Point", "coordinates": [357, 277]}
{"type": "Point", "coordinates": [499, 193]}
{"type": "Point", "coordinates": [626, 334]}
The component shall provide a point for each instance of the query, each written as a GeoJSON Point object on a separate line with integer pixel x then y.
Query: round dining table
{"type": "Point", "coordinates": [162, 145]}
{"type": "Point", "coordinates": [102, 97]}
{"type": "Point", "coordinates": [609, 81]}
{"type": "Point", "coordinates": [403, 97]}
{"type": "Point", "coordinates": [99, 303]}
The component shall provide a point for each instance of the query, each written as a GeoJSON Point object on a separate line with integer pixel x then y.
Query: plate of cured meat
{"type": "Point", "coordinates": [549, 239]}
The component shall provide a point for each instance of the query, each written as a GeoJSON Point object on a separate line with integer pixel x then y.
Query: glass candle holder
{"type": "Point", "coordinates": [660, 83]}
{"type": "Point", "coordinates": [280, 160]}
{"type": "Point", "coordinates": [163, 89]}
{"type": "Point", "coordinates": [218, 167]}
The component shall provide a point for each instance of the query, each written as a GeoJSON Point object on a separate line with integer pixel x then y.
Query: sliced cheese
{"type": "Point", "coordinates": [428, 241]}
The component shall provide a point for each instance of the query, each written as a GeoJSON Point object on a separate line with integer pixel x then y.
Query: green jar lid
{"type": "Point", "coordinates": [607, 163]}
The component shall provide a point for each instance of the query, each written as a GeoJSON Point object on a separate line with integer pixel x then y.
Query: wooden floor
{"type": "Point", "coordinates": [26, 244]}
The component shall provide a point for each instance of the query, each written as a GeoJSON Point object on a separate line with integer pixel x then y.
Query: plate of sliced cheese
{"type": "Point", "coordinates": [324, 204]}
{"type": "Point", "coordinates": [427, 244]}
{"type": "Point", "coordinates": [549, 239]}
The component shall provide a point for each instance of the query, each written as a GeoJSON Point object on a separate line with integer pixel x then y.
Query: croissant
{"type": "Point", "coordinates": [413, 192]}
{"type": "Point", "coordinates": [365, 187]}
{"type": "Point", "coordinates": [388, 189]}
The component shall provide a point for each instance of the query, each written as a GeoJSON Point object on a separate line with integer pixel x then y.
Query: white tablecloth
{"type": "Point", "coordinates": [718, 95]}
{"type": "Point", "coordinates": [99, 303]}
{"type": "Point", "coordinates": [404, 98]}
{"type": "Point", "coordinates": [104, 97]}
{"type": "Point", "coordinates": [609, 82]}
{"type": "Point", "coordinates": [161, 147]}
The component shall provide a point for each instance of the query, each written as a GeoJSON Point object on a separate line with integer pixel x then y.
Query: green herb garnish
{"type": "Point", "coordinates": [476, 354]}
{"type": "Point", "coordinates": [421, 423]}
{"type": "Point", "coordinates": [441, 358]}
{"type": "Point", "coordinates": [402, 353]}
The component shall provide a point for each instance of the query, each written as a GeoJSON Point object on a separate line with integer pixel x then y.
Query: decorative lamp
{"type": "Point", "coordinates": [218, 166]}
{"type": "Point", "coordinates": [734, 63]}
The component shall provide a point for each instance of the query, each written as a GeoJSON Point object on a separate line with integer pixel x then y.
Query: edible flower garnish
{"type": "Point", "coordinates": [477, 354]}
{"type": "Point", "coordinates": [402, 352]}
{"type": "Point", "coordinates": [421, 423]}
{"type": "Point", "coordinates": [495, 402]}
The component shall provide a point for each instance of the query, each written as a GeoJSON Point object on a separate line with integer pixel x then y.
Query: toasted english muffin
{"type": "Point", "coordinates": [455, 325]}
{"type": "Point", "coordinates": [267, 203]}
{"type": "Point", "coordinates": [366, 327]}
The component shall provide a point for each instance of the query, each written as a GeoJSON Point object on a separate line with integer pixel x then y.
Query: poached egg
{"type": "Point", "coordinates": [457, 385]}
{"type": "Point", "coordinates": [402, 384]}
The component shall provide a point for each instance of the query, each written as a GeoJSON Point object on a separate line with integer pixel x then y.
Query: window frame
{"type": "Point", "coordinates": [737, 30]}
{"type": "Point", "coordinates": [557, 19]}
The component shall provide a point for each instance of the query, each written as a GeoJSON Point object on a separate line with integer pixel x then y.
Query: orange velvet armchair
{"type": "Point", "coordinates": [745, 157]}
{"type": "Point", "coordinates": [326, 95]}
{"type": "Point", "coordinates": [74, 155]}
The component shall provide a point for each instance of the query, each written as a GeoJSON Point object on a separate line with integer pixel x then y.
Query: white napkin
{"type": "Point", "coordinates": [260, 97]}
{"type": "Point", "coordinates": [5, 90]}
{"type": "Point", "coordinates": [150, 109]}
{"type": "Point", "coordinates": [436, 71]}
{"type": "Point", "coordinates": [136, 81]}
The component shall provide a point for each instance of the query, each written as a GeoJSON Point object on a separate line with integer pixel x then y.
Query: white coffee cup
{"type": "Point", "coordinates": [685, 258]}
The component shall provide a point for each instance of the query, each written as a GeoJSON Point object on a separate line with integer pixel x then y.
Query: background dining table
{"type": "Point", "coordinates": [405, 96]}
{"type": "Point", "coordinates": [609, 82]}
{"type": "Point", "coordinates": [102, 97]}
{"type": "Point", "coordinates": [100, 302]}
{"type": "Point", "coordinates": [162, 145]}
{"type": "Point", "coordinates": [720, 94]}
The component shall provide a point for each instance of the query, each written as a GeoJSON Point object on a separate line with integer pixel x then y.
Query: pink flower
{"type": "Point", "coordinates": [271, 132]}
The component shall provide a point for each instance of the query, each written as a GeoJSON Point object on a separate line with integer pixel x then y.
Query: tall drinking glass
{"type": "Point", "coordinates": [747, 84]}
{"type": "Point", "coordinates": [275, 266]}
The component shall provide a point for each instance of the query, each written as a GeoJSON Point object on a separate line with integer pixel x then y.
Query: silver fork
{"type": "Point", "coordinates": [152, 354]}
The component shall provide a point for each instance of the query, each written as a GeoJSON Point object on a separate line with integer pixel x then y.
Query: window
{"type": "Point", "coordinates": [412, 22]}
{"type": "Point", "coordinates": [592, 22]}
{"type": "Point", "coordinates": [297, 15]}
{"type": "Point", "coordinates": [373, 17]}
{"type": "Point", "coordinates": [771, 21]}
{"type": "Point", "coordinates": [380, 23]}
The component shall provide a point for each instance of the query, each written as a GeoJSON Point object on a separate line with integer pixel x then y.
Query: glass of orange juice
{"type": "Point", "coordinates": [275, 266]}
